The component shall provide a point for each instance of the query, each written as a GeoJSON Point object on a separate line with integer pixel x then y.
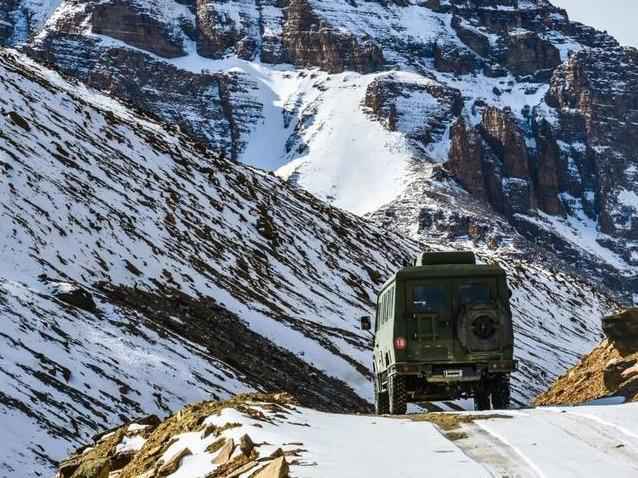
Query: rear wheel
{"type": "Point", "coordinates": [381, 401]}
{"type": "Point", "coordinates": [482, 397]}
{"type": "Point", "coordinates": [501, 392]}
{"type": "Point", "coordinates": [398, 395]}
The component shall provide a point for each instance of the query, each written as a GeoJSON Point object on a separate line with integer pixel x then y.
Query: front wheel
{"type": "Point", "coordinates": [398, 395]}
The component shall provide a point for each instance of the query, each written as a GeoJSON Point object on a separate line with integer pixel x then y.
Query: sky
{"type": "Point", "coordinates": [618, 17]}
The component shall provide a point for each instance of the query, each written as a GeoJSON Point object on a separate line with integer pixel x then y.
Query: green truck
{"type": "Point", "coordinates": [443, 331]}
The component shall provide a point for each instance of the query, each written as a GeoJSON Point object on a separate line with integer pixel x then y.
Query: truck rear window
{"type": "Point", "coordinates": [474, 294]}
{"type": "Point", "coordinates": [429, 299]}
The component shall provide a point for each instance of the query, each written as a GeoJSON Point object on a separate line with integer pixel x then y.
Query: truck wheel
{"type": "Point", "coordinates": [397, 395]}
{"type": "Point", "coordinates": [501, 393]}
{"type": "Point", "coordinates": [482, 397]}
{"type": "Point", "coordinates": [381, 402]}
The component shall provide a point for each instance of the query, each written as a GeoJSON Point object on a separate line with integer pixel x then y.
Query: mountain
{"type": "Point", "coordinates": [146, 263]}
{"type": "Point", "coordinates": [358, 101]}
{"type": "Point", "coordinates": [142, 270]}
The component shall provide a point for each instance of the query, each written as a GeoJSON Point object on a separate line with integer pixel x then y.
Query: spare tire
{"type": "Point", "coordinates": [479, 328]}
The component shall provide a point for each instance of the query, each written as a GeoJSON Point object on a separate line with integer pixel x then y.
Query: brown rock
{"type": "Point", "coordinates": [278, 468]}
{"type": "Point", "coordinates": [502, 133]}
{"type": "Point", "coordinates": [242, 470]}
{"type": "Point", "coordinates": [173, 464]}
{"type": "Point", "coordinates": [465, 159]}
{"type": "Point", "coordinates": [450, 58]}
{"type": "Point", "coordinates": [119, 19]}
{"type": "Point", "coordinates": [93, 468]}
{"type": "Point", "coordinates": [215, 33]}
{"type": "Point", "coordinates": [527, 53]}
{"type": "Point", "coordinates": [477, 42]}
{"type": "Point", "coordinates": [225, 452]}
{"type": "Point", "coordinates": [246, 444]}
{"type": "Point", "coordinates": [622, 330]}
{"type": "Point", "coordinates": [547, 177]}
{"type": "Point", "coordinates": [310, 42]}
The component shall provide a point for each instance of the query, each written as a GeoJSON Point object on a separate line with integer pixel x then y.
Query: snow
{"type": "Point", "coordinates": [628, 198]}
{"type": "Point", "coordinates": [30, 17]}
{"type": "Point", "coordinates": [40, 333]}
{"type": "Point", "coordinates": [130, 444]}
{"type": "Point", "coordinates": [579, 442]}
{"type": "Point", "coordinates": [335, 445]}
{"type": "Point", "coordinates": [582, 231]}
{"type": "Point", "coordinates": [351, 161]}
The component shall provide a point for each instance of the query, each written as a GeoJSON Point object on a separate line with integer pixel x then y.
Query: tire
{"type": "Point", "coordinates": [501, 393]}
{"type": "Point", "coordinates": [397, 395]}
{"type": "Point", "coordinates": [482, 397]}
{"type": "Point", "coordinates": [381, 401]}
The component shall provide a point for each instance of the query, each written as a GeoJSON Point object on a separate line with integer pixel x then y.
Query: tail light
{"type": "Point", "coordinates": [400, 343]}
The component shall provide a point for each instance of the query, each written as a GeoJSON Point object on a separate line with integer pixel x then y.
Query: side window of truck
{"type": "Point", "coordinates": [392, 306]}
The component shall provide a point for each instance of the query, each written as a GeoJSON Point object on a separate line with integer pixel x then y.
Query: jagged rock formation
{"type": "Point", "coordinates": [610, 370]}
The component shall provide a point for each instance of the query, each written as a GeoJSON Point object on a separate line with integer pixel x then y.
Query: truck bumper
{"type": "Point", "coordinates": [453, 372]}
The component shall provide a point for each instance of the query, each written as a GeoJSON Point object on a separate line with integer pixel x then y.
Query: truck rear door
{"type": "Point", "coordinates": [430, 321]}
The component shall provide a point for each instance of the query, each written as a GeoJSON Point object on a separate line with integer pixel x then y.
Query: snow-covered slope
{"type": "Point", "coordinates": [211, 277]}
{"type": "Point", "coordinates": [267, 436]}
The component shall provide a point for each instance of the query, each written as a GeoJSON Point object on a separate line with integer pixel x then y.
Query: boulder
{"type": "Point", "coordinates": [225, 452]}
{"type": "Point", "coordinates": [75, 296]}
{"type": "Point", "coordinates": [246, 445]}
{"type": "Point", "coordinates": [622, 330]}
{"type": "Point", "coordinates": [278, 468]}
{"type": "Point", "coordinates": [173, 464]}
{"type": "Point", "coordinates": [95, 468]}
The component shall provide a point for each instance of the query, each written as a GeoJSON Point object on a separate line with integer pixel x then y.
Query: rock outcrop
{"type": "Point", "coordinates": [154, 449]}
{"type": "Point", "coordinates": [124, 21]}
{"type": "Point", "coordinates": [528, 54]}
{"type": "Point", "coordinates": [420, 110]}
{"type": "Point", "coordinates": [595, 94]}
{"type": "Point", "coordinates": [492, 162]}
{"type": "Point", "coordinates": [309, 41]}
{"type": "Point", "coordinates": [610, 370]}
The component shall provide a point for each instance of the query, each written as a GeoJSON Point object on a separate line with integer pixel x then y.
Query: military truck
{"type": "Point", "coordinates": [443, 331]}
